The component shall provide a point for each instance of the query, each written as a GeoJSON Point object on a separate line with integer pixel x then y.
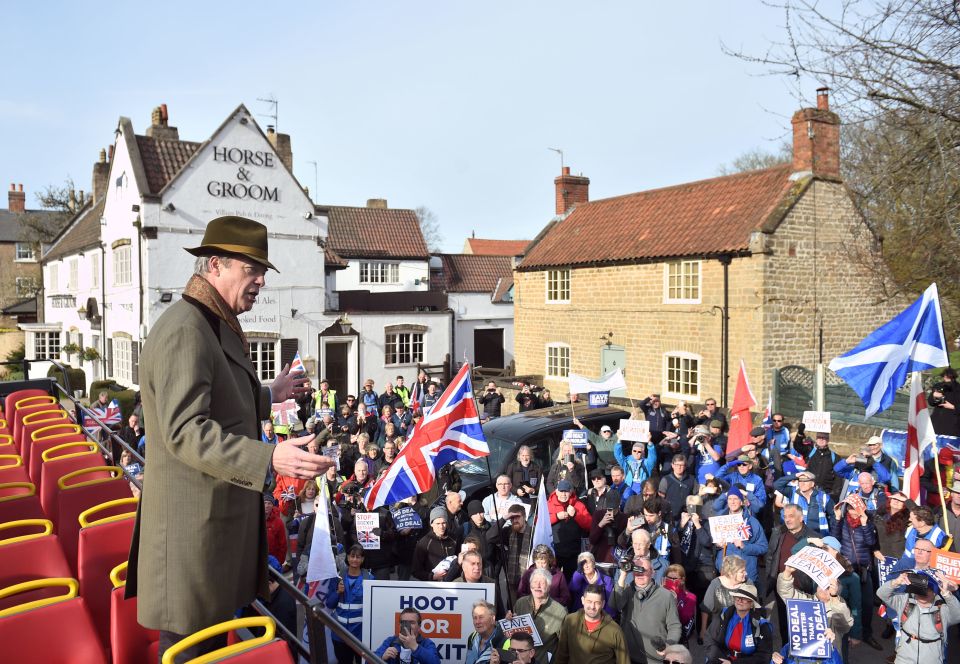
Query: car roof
{"type": "Point", "coordinates": [519, 425]}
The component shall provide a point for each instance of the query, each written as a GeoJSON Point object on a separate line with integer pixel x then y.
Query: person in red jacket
{"type": "Point", "coordinates": [276, 531]}
{"type": "Point", "coordinates": [570, 521]}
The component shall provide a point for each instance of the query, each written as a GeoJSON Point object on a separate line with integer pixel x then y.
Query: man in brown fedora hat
{"type": "Point", "coordinates": [199, 548]}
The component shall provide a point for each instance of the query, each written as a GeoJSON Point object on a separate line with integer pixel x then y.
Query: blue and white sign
{"type": "Point", "coordinates": [319, 413]}
{"type": "Point", "coordinates": [598, 399]}
{"type": "Point", "coordinates": [406, 517]}
{"type": "Point", "coordinates": [884, 567]}
{"type": "Point", "coordinates": [807, 626]}
{"type": "Point", "coordinates": [578, 437]}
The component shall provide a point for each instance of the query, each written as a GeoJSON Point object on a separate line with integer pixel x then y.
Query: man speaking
{"type": "Point", "coordinates": [199, 549]}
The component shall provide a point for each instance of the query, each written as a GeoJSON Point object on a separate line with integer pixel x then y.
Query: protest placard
{"type": "Point", "coordinates": [807, 625]}
{"type": "Point", "coordinates": [285, 413]}
{"type": "Point", "coordinates": [728, 528]}
{"type": "Point", "coordinates": [598, 399]}
{"type": "Point", "coordinates": [884, 567]}
{"type": "Point", "coordinates": [368, 530]}
{"type": "Point", "coordinates": [635, 430]}
{"type": "Point", "coordinates": [578, 437]}
{"type": "Point", "coordinates": [406, 517]}
{"type": "Point", "coordinates": [319, 413]}
{"type": "Point", "coordinates": [446, 611]}
{"type": "Point", "coordinates": [817, 421]}
{"type": "Point", "coordinates": [948, 563]}
{"type": "Point", "coordinates": [521, 623]}
{"type": "Point", "coordinates": [816, 563]}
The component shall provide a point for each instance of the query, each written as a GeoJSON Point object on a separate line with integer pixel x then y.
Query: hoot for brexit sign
{"type": "Point", "coordinates": [446, 610]}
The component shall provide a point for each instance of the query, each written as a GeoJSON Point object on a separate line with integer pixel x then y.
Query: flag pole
{"type": "Point", "coordinates": [936, 456]}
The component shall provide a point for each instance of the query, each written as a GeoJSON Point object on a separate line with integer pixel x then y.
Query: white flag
{"type": "Point", "coordinates": [609, 382]}
{"type": "Point", "coordinates": [322, 566]}
{"type": "Point", "coordinates": [542, 533]}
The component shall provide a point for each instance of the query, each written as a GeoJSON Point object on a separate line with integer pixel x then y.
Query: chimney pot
{"type": "Point", "coordinates": [823, 99]}
{"type": "Point", "coordinates": [377, 203]}
{"type": "Point", "coordinates": [566, 170]}
{"type": "Point", "coordinates": [163, 114]}
{"type": "Point", "coordinates": [13, 187]}
{"type": "Point", "coordinates": [20, 187]}
{"type": "Point", "coordinates": [103, 156]}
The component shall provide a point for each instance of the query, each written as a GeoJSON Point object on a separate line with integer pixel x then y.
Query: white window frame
{"type": "Point", "coordinates": [43, 346]}
{"type": "Point", "coordinates": [684, 269]}
{"type": "Point", "coordinates": [95, 270]}
{"type": "Point", "coordinates": [122, 266]}
{"type": "Point", "coordinates": [54, 274]}
{"type": "Point", "coordinates": [73, 274]}
{"type": "Point", "coordinates": [558, 286]}
{"type": "Point", "coordinates": [410, 339]}
{"type": "Point", "coordinates": [265, 354]}
{"type": "Point", "coordinates": [24, 253]}
{"type": "Point", "coordinates": [682, 357]}
{"type": "Point", "coordinates": [123, 359]}
{"type": "Point", "coordinates": [379, 272]}
{"type": "Point", "coordinates": [557, 355]}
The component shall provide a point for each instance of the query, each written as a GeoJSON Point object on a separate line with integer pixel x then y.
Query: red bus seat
{"type": "Point", "coordinates": [129, 640]}
{"type": "Point", "coordinates": [43, 404]}
{"type": "Point", "coordinates": [12, 469]}
{"type": "Point", "coordinates": [34, 421]}
{"type": "Point", "coordinates": [41, 445]}
{"type": "Point", "coordinates": [57, 462]}
{"type": "Point", "coordinates": [7, 445]}
{"type": "Point", "coordinates": [10, 402]}
{"type": "Point", "coordinates": [19, 500]}
{"type": "Point", "coordinates": [264, 649]}
{"type": "Point", "coordinates": [25, 557]}
{"type": "Point", "coordinates": [55, 630]}
{"type": "Point", "coordinates": [81, 490]}
{"type": "Point", "coordinates": [104, 544]}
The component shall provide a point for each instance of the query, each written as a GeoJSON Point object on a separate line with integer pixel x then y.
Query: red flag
{"type": "Point", "coordinates": [920, 434]}
{"type": "Point", "coordinates": [741, 421]}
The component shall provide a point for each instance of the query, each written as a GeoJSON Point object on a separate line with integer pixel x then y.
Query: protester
{"type": "Point", "coordinates": [696, 546]}
{"type": "Point", "coordinates": [794, 584]}
{"type": "Point", "coordinates": [927, 606]}
{"type": "Point", "coordinates": [598, 489]}
{"type": "Point", "coordinates": [718, 597]}
{"type": "Point", "coordinates": [953, 512]}
{"type": "Point", "coordinates": [857, 535]}
{"type": "Point", "coordinates": [607, 521]}
{"type": "Point", "coordinates": [567, 467]}
{"type": "Point", "coordinates": [742, 633]}
{"type": "Point", "coordinates": [434, 548]}
{"type": "Point", "coordinates": [491, 400]}
{"type": "Point", "coordinates": [543, 558]}
{"type": "Point", "coordinates": [675, 487]}
{"type": "Point", "coordinates": [588, 574]}
{"type": "Point", "coordinates": [784, 538]}
{"type": "Point", "coordinates": [495, 505]}
{"type": "Point", "coordinates": [570, 522]}
{"type": "Point", "coordinates": [816, 505]}
{"type": "Point", "coordinates": [520, 646]}
{"type": "Point", "coordinates": [515, 536]}
{"type": "Point", "coordinates": [676, 582]}
{"type": "Point", "coordinates": [346, 602]}
{"type": "Point", "coordinates": [547, 613]}
{"type": "Point", "coordinates": [589, 636]}
{"type": "Point", "coordinates": [751, 545]}
{"type": "Point", "coordinates": [525, 474]}
{"type": "Point", "coordinates": [409, 645]}
{"type": "Point", "coordinates": [487, 635]}
{"type": "Point", "coordinates": [276, 530]}
{"type": "Point", "coordinates": [648, 614]}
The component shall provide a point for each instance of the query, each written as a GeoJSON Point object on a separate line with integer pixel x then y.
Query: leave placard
{"type": "Point", "coordinates": [634, 430]}
{"type": "Point", "coordinates": [816, 563]}
{"type": "Point", "coordinates": [521, 623]}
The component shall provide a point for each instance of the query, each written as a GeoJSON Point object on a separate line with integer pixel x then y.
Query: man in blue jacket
{"type": "Point", "coordinates": [409, 646]}
{"type": "Point", "coordinates": [740, 472]}
{"type": "Point", "coordinates": [817, 506]}
{"type": "Point", "coordinates": [752, 545]}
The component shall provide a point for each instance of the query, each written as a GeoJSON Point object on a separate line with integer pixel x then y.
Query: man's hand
{"type": "Point", "coordinates": [577, 423]}
{"type": "Point", "coordinates": [408, 641]}
{"type": "Point", "coordinates": [290, 461]}
{"type": "Point", "coordinates": [607, 518]}
{"type": "Point", "coordinates": [738, 543]}
{"type": "Point", "coordinates": [288, 386]}
{"type": "Point", "coordinates": [438, 576]}
{"type": "Point", "coordinates": [390, 653]}
{"type": "Point", "coordinates": [495, 656]}
{"type": "Point", "coordinates": [696, 521]}
{"type": "Point", "coordinates": [571, 510]}
{"type": "Point", "coordinates": [562, 514]}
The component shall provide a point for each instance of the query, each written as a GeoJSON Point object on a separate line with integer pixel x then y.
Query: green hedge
{"type": "Point", "coordinates": [124, 395]}
{"type": "Point", "coordinates": [78, 378]}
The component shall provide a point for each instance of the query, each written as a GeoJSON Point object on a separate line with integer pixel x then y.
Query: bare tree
{"type": "Point", "coordinates": [755, 159]}
{"type": "Point", "coordinates": [59, 205]}
{"type": "Point", "coordinates": [430, 227]}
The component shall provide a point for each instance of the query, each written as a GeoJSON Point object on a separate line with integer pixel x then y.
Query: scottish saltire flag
{"type": "Point", "coordinates": [450, 431]}
{"type": "Point", "coordinates": [296, 366]}
{"type": "Point", "coordinates": [542, 532]}
{"type": "Point", "coordinates": [912, 341]}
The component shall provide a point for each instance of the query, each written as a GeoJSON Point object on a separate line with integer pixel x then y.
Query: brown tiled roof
{"type": "Point", "coordinates": [469, 273]}
{"type": "Point", "coordinates": [483, 247]}
{"type": "Point", "coordinates": [332, 260]}
{"type": "Point", "coordinates": [162, 159]}
{"type": "Point", "coordinates": [362, 232]}
{"type": "Point", "coordinates": [503, 287]}
{"type": "Point", "coordinates": [702, 218]}
{"type": "Point", "coordinates": [82, 233]}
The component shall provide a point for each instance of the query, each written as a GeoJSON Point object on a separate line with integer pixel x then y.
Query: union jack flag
{"type": "Point", "coordinates": [743, 531]}
{"type": "Point", "coordinates": [368, 537]}
{"type": "Point", "coordinates": [109, 416]}
{"type": "Point", "coordinates": [415, 396]}
{"type": "Point", "coordinates": [296, 366]}
{"type": "Point", "coordinates": [450, 431]}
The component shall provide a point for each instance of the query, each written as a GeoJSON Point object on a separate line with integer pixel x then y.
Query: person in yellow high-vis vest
{"type": "Point", "coordinates": [325, 397]}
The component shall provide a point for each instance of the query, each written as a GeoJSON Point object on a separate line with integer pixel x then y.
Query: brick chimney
{"type": "Point", "coordinates": [816, 138]}
{"type": "Point", "coordinates": [16, 199]}
{"type": "Point", "coordinates": [281, 143]}
{"type": "Point", "coordinates": [571, 190]}
{"type": "Point", "coordinates": [160, 125]}
{"type": "Point", "coordinates": [377, 203]}
{"type": "Point", "coordinates": [101, 173]}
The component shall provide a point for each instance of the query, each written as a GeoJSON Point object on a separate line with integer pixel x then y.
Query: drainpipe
{"type": "Point", "coordinates": [725, 261]}
{"type": "Point", "coordinates": [103, 309]}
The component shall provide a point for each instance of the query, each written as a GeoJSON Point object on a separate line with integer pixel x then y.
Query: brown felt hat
{"type": "Point", "coordinates": [235, 235]}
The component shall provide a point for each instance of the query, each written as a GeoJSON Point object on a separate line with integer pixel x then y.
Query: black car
{"type": "Point", "coordinates": [541, 430]}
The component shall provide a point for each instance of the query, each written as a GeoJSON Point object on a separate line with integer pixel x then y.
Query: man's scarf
{"type": "Point", "coordinates": [203, 292]}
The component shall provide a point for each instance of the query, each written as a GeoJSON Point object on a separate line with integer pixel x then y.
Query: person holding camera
{"type": "Point", "coordinates": [711, 414]}
{"type": "Point", "coordinates": [570, 522]}
{"type": "Point", "coordinates": [518, 648]}
{"type": "Point", "coordinates": [675, 487]}
{"type": "Point", "coordinates": [943, 400]}
{"type": "Point", "coordinates": [607, 521]}
{"type": "Point", "coordinates": [696, 546]}
{"type": "Point", "coordinates": [705, 454]}
{"type": "Point", "coordinates": [566, 467]}
{"type": "Point", "coordinates": [526, 398]}
{"type": "Point", "coordinates": [848, 470]}
{"type": "Point", "coordinates": [409, 646]}
{"type": "Point", "coordinates": [589, 574]}
{"type": "Point", "coordinates": [525, 474]}
{"type": "Point", "coordinates": [751, 543]}
{"type": "Point", "coordinates": [648, 614]}
{"type": "Point", "coordinates": [817, 506]}
{"type": "Point", "coordinates": [927, 607]}
{"type": "Point", "coordinates": [491, 400]}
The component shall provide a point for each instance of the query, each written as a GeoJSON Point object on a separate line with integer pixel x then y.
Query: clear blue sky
{"type": "Point", "coordinates": [451, 105]}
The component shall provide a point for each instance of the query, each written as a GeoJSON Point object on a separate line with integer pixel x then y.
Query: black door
{"type": "Point", "coordinates": [488, 348]}
{"type": "Point", "coordinates": [335, 365]}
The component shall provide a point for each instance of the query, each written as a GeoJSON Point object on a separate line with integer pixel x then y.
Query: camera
{"type": "Point", "coordinates": [508, 656]}
{"type": "Point", "coordinates": [626, 565]}
{"type": "Point", "coordinates": [693, 509]}
{"type": "Point", "coordinates": [570, 458]}
{"type": "Point", "coordinates": [918, 584]}
{"type": "Point", "coordinates": [351, 489]}
{"type": "Point", "coordinates": [862, 462]}
{"type": "Point", "coordinates": [936, 397]}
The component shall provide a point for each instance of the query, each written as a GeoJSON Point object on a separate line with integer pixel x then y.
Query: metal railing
{"type": "Point", "coordinates": [317, 617]}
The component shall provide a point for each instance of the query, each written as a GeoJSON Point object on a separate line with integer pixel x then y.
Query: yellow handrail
{"type": "Point", "coordinates": [35, 436]}
{"type": "Point", "coordinates": [16, 496]}
{"type": "Point", "coordinates": [115, 575]}
{"type": "Point", "coordinates": [115, 472]}
{"type": "Point", "coordinates": [85, 520]}
{"type": "Point", "coordinates": [223, 628]}
{"type": "Point", "coordinates": [36, 584]}
{"type": "Point", "coordinates": [89, 447]}
{"type": "Point", "coordinates": [15, 458]}
{"type": "Point", "coordinates": [22, 523]}
{"type": "Point", "coordinates": [44, 416]}
{"type": "Point", "coordinates": [39, 398]}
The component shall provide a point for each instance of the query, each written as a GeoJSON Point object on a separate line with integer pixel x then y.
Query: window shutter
{"type": "Point", "coordinates": [135, 361]}
{"type": "Point", "coordinates": [288, 348]}
{"type": "Point", "coordinates": [109, 357]}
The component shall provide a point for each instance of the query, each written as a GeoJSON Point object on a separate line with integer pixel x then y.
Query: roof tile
{"type": "Point", "coordinates": [484, 247]}
{"type": "Point", "coordinates": [469, 273]}
{"type": "Point", "coordinates": [362, 232]}
{"type": "Point", "coordinates": [162, 159]}
{"type": "Point", "coordinates": [82, 234]}
{"type": "Point", "coordinates": [692, 219]}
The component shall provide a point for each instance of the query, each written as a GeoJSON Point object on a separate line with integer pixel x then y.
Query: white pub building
{"type": "Point", "coordinates": [351, 295]}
